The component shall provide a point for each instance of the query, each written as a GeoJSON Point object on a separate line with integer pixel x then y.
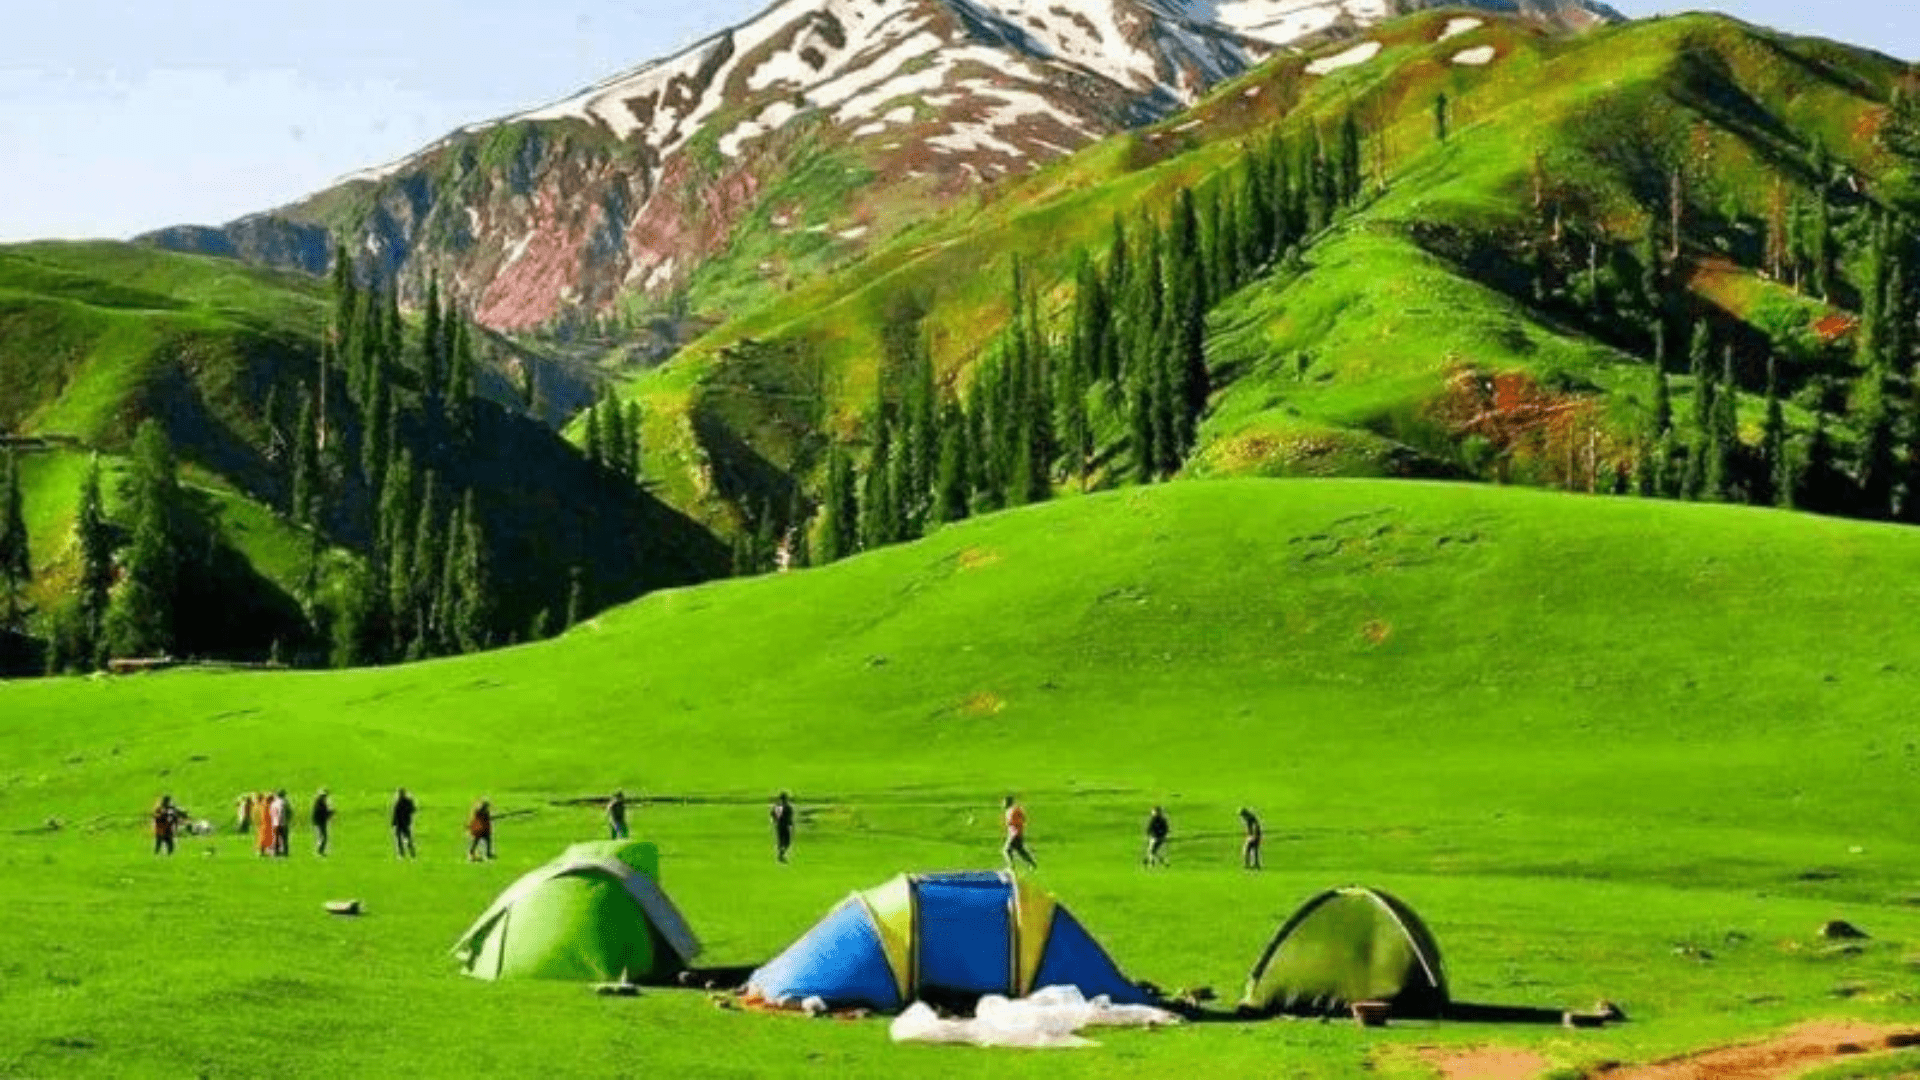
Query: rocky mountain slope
{"type": "Point", "coordinates": [781, 148]}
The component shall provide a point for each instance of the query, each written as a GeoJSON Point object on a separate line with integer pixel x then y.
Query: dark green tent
{"type": "Point", "coordinates": [1348, 945]}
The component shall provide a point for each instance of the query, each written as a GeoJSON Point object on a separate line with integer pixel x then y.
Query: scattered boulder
{"type": "Point", "coordinates": [814, 1006]}
{"type": "Point", "coordinates": [1841, 930]}
{"type": "Point", "coordinates": [343, 907]}
{"type": "Point", "coordinates": [616, 989]}
{"type": "Point", "coordinates": [1614, 1014]}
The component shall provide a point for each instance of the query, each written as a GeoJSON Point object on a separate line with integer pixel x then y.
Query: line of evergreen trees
{"type": "Point", "coordinates": [426, 588]}
{"type": "Point", "coordinates": [1704, 458]}
{"type": "Point", "coordinates": [613, 436]}
{"type": "Point", "coordinates": [1111, 389]}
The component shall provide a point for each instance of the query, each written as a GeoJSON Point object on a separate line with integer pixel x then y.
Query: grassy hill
{"type": "Point", "coordinates": [1318, 369]}
{"type": "Point", "coordinates": [1607, 747]}
{"type": "Point", "coordinates": [97, 337]}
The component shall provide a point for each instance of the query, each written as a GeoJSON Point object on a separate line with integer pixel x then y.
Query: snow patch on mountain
{"type": "Point", "coordinates": [1359, 54]}
{"type": "Point", "coordinates": [1479, 57]}
{"type": "Point", "coordinates": [1462, 25]}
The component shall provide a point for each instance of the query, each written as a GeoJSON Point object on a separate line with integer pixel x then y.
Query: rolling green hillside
{"type": "Point", "coordinates": [97, 337]}
{"type": "Point", "coordinates": [1559, 165]}
{"type": "Point", "coordinates": [1608, 747]}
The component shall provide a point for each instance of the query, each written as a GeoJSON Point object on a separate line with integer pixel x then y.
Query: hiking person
{"type": "Point", "coordinates": [263, 831]}
{"type": "Point", "coordinates": [1250, 850]}
{"type": "Point", "coordinates": [243, 813]}
{"type": "Point", "coordinates": [282, 823]}
{"type": "Point", "coordinates": [322, 814]}
{"type": "Point", "coordinates": [781, 814]}
{"type": "Point", "coordinates": [1157, 830]}
{"type": "Point", "coordinates": [1016, 835]}
{"type": "Point", "coordinates": [165, 820]}
{"type": "Point", "coordinates": [403, 825]}
{"type": "Point", "coordinates": [617, 816]}
{"type": "Point", "coordinates": [480, 828]}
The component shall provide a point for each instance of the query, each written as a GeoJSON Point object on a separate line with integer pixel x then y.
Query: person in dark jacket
{"type": "Point", "coordinates": [403, 808]}
{"type": "Point", "coordinates": [1157, 832]}
{"type": "Point", "coordinates": [322, 817]}
{"type": "Point", "coordinates": [166, 821]}
{"type": "Point", "coordinates": [1250, 850]}
{"type": "Point", "coordinates": [781, 814]}
{"type": "Point", "coordinates": [617, 816]}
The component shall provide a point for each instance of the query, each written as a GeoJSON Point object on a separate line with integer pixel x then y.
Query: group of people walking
{"type": "Point", "coordinates": [1159, 830]}
{"type": "Point", "coordinates": [269, 817]}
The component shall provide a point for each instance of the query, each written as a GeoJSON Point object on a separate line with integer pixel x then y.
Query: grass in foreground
{"type": "Point", "coordinates": [1606, 747]}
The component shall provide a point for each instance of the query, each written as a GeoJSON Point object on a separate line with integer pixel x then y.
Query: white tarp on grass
{"type": "Point", "coordinates": [1050, 1018]}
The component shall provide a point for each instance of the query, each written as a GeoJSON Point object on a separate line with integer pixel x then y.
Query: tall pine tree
{"type": "Point", "coordinates": [16, 558]}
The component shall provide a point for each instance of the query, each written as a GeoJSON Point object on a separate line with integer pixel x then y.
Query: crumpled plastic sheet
{"type": "Point", "coordinates": [1049, 1018]}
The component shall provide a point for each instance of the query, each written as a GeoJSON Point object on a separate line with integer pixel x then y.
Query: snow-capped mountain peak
{"type": "Point", "coordinates": [636, 181]}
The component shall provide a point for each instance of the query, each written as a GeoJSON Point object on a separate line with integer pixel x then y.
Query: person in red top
{"type": "Point", "coordinates": [480, 827]}
{"type": "Point", "coordinates": [1016, 835]}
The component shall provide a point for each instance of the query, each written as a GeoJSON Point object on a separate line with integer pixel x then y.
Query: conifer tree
{"type": "Point", "coordinates": [446, 579]}
{"type": "Point", "coordinates": [1821, 484]}
{"type": "Point", "coordinates": [1874, 473]}
{"type": "Point", "coordinates": [576, 596]}
{"type": "Point", "coordinates": [877, 527]}
{"type": "Point", "coordinates": [613, 429]}
{"type": "Point", "coordinates": [93, 535]}
{"type": "Point", "coordinates": [635, 467]}
{"type": "Point", "coordinates": [1694, 482]}
{"type": "Point", "coordinates": [1351, 166]}
{"type": "Point", "coordinates": [1775, 484]}
{"type": "Point", "coordinates": [140, 618]}
{"type": "Point", "coordinates": [1723, 435]}
{"type": "Point", "coordinates": [345, 295]}
{"type": "Point", "coordinates": [398, 533]}
{"type": "Point", "coordinates": [16, 559]}
{"type": "Point", "coordinates": [839, 510]}
{"type": "Point", "coordinates": [460, 375]}
{"type": "Point", "coordinates": [433, 362]}
{"type": "Point", "coordinates": [951, 484]}
{"type": "Point", "coordinates": [594, 441]}
{"type": "Point", "coordinates": [1075, 425]}
{"type": "Point", "coordinates": [429, 556]}
{"type": "Point", "coordinates": [473, 607]}
{"type": "Point", "coordinates": [303, 506]}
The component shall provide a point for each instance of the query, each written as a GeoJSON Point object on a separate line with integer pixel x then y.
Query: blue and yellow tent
{"type": "Point", "coordinates": [942, 936]}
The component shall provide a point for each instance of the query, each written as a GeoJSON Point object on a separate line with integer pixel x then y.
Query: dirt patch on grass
{"type": "Point", "coordinates": [1795, 1052]}
{"type": "Point", "coordinates": [983, 704]}
{"type": "Point", "coordinates": [1377, 632]}
{"type": "Point", "coordinates": [978, 558]}
{"type": "Point", "coordinates": [1486, 1063]}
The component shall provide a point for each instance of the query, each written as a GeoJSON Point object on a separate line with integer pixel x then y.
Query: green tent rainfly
{"type": "Point", "coordinates": [1345, 946]}
{"type": "Point", "coordinates": [596, 913]}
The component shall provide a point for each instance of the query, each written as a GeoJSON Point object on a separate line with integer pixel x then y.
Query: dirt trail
{"type": "Point", "coordinates": [1487, 1063]}
{"type": "Point", "coordinates": [1795, 1052]}
{"type": "Point", "coordinates": [1800, 1049]}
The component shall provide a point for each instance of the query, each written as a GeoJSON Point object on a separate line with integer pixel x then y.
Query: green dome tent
{"type": "Point", "coordinates": [1349, 945]}
{"type": "Point", "coordinates": [594, 914]}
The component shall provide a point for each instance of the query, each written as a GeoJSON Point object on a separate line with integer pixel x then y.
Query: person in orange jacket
{"type": "Point", "coordinates": [263, 837]}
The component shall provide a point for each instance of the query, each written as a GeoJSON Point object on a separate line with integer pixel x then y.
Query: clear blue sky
{"type": "Point", "coordinates": [118, 116]}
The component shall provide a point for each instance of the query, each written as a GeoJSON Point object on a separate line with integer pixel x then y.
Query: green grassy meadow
{"type": "Point", "coordinates": [1607, 748]}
